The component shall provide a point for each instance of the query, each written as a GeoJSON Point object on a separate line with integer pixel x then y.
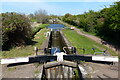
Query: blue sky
{"type": "Point", "coordinates": [56, 8]}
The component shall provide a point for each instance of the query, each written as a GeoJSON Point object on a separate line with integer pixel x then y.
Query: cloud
{"type": "Point", "coordinates": [59, 0]}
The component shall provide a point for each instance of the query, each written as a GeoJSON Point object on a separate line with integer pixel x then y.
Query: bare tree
{"type": "Point", "coordinates": [31, 15]}
{"type": "Point", "coordinates": [41, 16]}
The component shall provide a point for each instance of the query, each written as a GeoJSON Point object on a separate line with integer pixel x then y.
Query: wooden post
{"type": "Point", "coordinates": [36, 50]}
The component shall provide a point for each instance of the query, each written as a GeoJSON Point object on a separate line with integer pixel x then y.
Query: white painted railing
{"type": "Point", "coordinates": [105, 58]}
{"type": "Point", "coordinates": [14, 60]}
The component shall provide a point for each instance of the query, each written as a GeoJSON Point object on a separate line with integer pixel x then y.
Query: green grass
{"type": "Point", "coordinates": [37, 28]}
{"type": "Point", "coordinates": [44, 25]}
{"type": "Point", "coordinates": [77, 75]}
{"type": "Point", "coordinates": [80, 41]}
{"type": "Point", "coordinates": [26, 50]}
{"type": "Point", "coordinates": [33, 20]}
{"type": "Point", "coordinates": [40, 37]}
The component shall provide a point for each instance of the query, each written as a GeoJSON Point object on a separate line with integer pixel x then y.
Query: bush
{"type": "Point", "coordinates": [16, 30]}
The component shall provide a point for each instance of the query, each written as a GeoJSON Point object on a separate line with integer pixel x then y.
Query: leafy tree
{"type": "Point", "coordinates": [16, 29]}
{"type": "Point", "coordinates": [111, 26]}
{"type": "Point", "coordinates": [104, 23]}
{"type": "Point", "coordinates": [69, 19]}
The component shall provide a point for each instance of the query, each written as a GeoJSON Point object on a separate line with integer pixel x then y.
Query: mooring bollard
{"type": "Point", "coordinates": [36, 50]}
{"type": "Point", "coordinates": [47, 34]}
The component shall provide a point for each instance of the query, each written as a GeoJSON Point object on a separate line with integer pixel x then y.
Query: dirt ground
{"type": "Point", "coordinates": [98, 70]}
{"type": "Point", "coordinates": [94, 70]}
{"type": "Point", "coordinates": [21, 71]}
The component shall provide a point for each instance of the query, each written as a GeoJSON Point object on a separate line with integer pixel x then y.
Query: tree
{"type": "Point", "coordinates": [16, 29]}
{"type": "Point", "coordinates": [71, 19]}
{"type": "Point", "coordinates": [41, 16]}
{"type": "Point", "coordinates": [111, 26]}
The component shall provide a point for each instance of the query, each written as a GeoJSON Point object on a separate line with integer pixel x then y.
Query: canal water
{"type": "Point", "coordinates": [56, 26]}
{"type": "Point", "coordinates": [56, 41]}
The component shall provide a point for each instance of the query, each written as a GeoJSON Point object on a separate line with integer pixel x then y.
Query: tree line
{"type": "Point", "coordinates": [104, 23]}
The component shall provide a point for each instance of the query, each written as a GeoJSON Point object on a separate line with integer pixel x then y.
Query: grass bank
{"type": "Point", "coordinates": [81, 42]}
{"type": "Point", "coordinates": [37, 28]}
{"type": "Point", "coordinates": [27, 50]}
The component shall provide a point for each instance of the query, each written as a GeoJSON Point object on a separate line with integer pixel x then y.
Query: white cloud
{"type": "Point", "coordinates": [58, 0]}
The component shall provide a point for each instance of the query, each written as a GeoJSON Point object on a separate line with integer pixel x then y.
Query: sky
{"type": "Point", "coordinates": [58, 7]}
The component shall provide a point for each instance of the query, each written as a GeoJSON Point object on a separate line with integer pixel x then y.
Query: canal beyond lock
{"type": "Point", "coordinates": [56, 41]}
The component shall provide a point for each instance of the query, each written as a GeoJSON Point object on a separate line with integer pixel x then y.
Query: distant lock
{"type": "Point", "coordinates": [72, 50]}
